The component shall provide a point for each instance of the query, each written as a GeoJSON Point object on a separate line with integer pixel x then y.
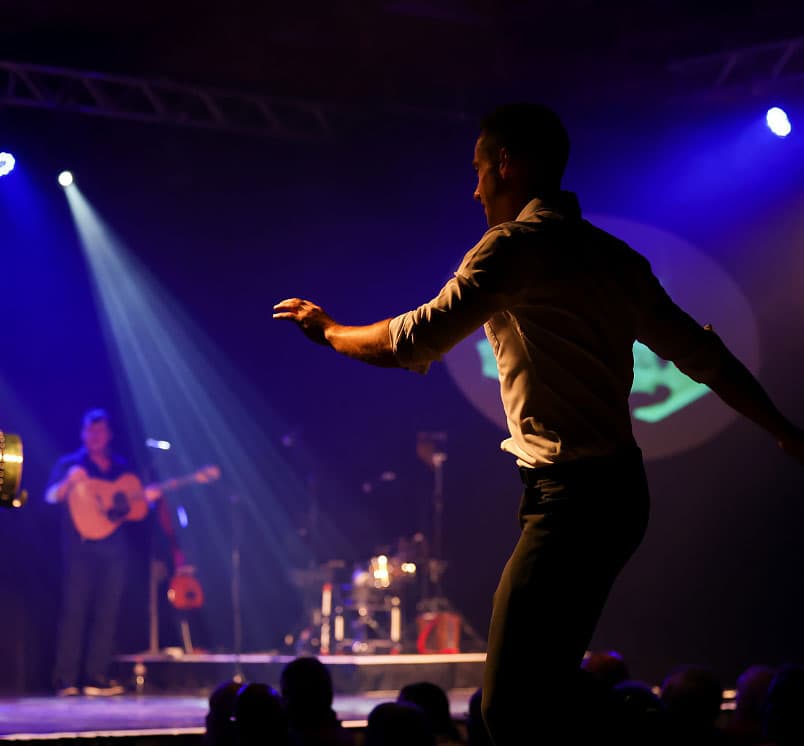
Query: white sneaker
{"type": "Point", "coordinates": [103, 689]}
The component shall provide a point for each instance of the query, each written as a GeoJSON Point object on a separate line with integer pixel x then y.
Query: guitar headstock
{"type": "Point", "coordinates": [207, 474]}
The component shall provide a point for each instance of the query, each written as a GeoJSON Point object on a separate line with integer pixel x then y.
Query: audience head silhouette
{"type": "Point", "coordinates": [692, 696]}
{"type": "Point", "coordinates": [476, 732]}
{"type": "Point", "coordinates": [398, 724]}
{"type": "Point", "coordinates": [752, 691]}
{"type": "Point", "coordinates": [644, 719]}
{"type": "Point", "coordinates": [306, 687]}
{"type": "Point", "coordinates": [783, 723]}
{"type": "Point", "coordinates": [608, 666]}
{"type": "Point", "coordinates": [219, 726]}
{"type": "Point", "coordinates": [744, 727]}
{"type": "Point", "coordinates": [434, 702]}
{"type": "Point", "coordinates": [259, 716]}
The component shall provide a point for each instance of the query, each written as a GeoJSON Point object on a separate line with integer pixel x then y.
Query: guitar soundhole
{"type": "Point", "coordinates": [120, 507]}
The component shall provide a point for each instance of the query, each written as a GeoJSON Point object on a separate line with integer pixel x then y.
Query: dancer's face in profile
{"type": "Point", "coordinates": [490, 184]}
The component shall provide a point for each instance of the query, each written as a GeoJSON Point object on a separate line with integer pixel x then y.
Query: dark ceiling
{"type": "Point", "coordinates": [445, 54]}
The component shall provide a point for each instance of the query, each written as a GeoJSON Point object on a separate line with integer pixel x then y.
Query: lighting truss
{"type": "Point", "coordinates": [161, 102]}
{"type": "Point", "coordinates": [760, 68]}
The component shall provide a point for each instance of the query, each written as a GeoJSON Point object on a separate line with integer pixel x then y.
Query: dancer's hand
{"type": "Point", "coordinates": [309, 317]}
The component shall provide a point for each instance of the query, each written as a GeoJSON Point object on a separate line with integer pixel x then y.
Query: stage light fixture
{"type": "Point", "coordinates": [7, 162]}
{"type": "Point", "coordinates": [65, 178]}
{"type": "Point", "coordinates": [778, 122]}
{"type": "Point", "coordinates": [11, 496]}
{"type": "Point", "coordinates": [181, 514]}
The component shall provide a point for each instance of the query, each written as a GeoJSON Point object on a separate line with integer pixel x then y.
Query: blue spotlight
{"type": "Point", "coordinates": [181, 513]}
{"type": "Point", "coordinates": [65, 178]}
{"type": "Point", "coordinates": [778, 122]}
{"type": "Point", "coordinates": [7, 162]}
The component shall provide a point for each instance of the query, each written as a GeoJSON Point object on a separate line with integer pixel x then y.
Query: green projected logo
{"type": "Point", "coordinates": [487, 362]}
{"type": "Point", "coordinates": [651, 374]}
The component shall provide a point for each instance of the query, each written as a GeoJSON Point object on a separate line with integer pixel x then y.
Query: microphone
{"type": "Point", "coordinates": [160, 445]}
{"type": "Point", "coordinates": [430, 448]}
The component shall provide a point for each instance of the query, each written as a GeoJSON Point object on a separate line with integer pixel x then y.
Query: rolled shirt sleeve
{"type": "Point", "coordinates": [478, 289]}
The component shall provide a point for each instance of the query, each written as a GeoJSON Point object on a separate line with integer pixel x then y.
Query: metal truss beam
{"type": "Point", "coordinates": [759, 68]}
{"type": "Point", "coordinates": [160, 102]}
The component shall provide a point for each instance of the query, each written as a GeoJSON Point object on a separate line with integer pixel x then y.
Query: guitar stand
{"type": "Point", "coordinates": [186, 639]}
{"type": "Point", "coordinates": [158, 573]}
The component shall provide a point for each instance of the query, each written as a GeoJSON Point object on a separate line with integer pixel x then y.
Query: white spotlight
{"type": "Point", "coordinates": [7, 162]}
{"type": "Point", "coordinates": [160, 445]}
{"type": "Point", "coordinates": [778, 122]}
{"type": "Point", "coordinates": [65, 178]}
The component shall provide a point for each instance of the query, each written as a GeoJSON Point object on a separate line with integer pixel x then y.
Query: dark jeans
{"type": "Point", "coordinates": [94, 573]}
{"type": "Point", "coordinates": [581, 522]}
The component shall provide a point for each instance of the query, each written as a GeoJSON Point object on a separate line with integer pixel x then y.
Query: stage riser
{"type": "Point", "coordinates": [190, 677]}
{"type": "Point", "coordinates": [183, 739]}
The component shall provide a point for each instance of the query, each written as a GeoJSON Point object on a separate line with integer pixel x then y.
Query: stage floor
{"type": "Point", "coordinates": [172, 692]}
{"type": "Point", "coordinates": [83, 717]}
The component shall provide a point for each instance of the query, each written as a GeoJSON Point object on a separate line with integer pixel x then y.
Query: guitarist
{"type": "Point", "coordinates": [94, 570]}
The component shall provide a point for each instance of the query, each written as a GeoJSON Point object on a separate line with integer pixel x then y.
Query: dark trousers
{"type": "Point", "coordinates": [94, 573]}
{"type": "Point", "coordinates": [581, 522]}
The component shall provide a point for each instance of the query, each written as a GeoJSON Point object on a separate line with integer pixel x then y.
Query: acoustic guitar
{"type": "Point", "coordinates": [98, 507]}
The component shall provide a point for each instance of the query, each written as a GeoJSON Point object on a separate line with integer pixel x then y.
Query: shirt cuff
{"type": "Point", "coordinates": [401, 333]}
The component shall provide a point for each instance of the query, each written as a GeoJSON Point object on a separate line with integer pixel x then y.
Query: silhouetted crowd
{"type": "Point", "coordinates": [686, 710]}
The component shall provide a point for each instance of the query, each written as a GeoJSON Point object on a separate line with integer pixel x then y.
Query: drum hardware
{"type": "Point", "coordinates": [364, 611]}
{"type": "Point", "coordinates": [359, 622]}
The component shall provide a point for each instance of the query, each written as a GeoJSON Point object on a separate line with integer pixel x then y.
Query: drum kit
{"type": "Point", "coordinates": [365, 608]}
{"type": "Point", "coordinates": [371, 608]}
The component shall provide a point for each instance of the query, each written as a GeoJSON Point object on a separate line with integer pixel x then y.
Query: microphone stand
{"type": "Point", "coordinates": [439, 457]}
{"type": "Point", "coordinates": [237, 620]}
{"type": "Point", "coordinates": [156, 572]}
{"type": "Point", "coordinates": [438, 603]}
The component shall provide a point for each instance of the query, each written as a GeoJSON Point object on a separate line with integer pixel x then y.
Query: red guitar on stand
{"type": "Point", "coordinates": [184, 589]}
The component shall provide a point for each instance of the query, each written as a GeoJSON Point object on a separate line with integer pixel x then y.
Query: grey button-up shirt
{"type": "Point", "coordinates": [562, 303]}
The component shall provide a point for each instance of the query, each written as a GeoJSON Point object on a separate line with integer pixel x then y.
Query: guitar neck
{"type": "Point", "coordinates": [174, 484]}
{"type": "Point", "coordinates": [202, 476]}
